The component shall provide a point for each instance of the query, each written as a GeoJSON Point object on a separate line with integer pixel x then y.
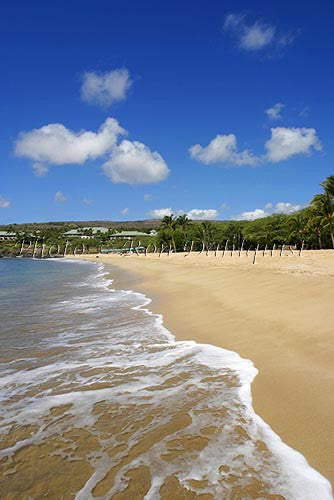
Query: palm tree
{"type": "Point", "coordinates": [205, 232]}
{"type": "Point", "coordinates": [297, 226]}
{"type": "Point", "coordinates": [324, 205]}
{"type": "Point", "coordinates": [315, 225]}
{"type": "Point", "coordinates": [184, 224]}
{"type": "Point", "coordinates": [170, 222]}
{"type": "Point", "coordinates": [328, 185]}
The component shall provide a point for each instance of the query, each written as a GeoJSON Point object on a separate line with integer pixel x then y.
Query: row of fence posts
{"type": "Point", "coordinates": [169, 250]}
{"type": "Point", "coordinates": [226, 250]}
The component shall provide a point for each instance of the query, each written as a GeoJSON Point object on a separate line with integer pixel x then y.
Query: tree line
{"type": "Point", "coordinates": [311, 227]}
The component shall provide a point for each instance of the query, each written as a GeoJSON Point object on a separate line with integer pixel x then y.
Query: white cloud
{"type": "Point", "coordinates": [202, 214]}
{"type": "Point", "coordinates": [147, 197]}
{"type": "Point", "coordinates": [257, 35]}
{"type": "Point", "coordinates": [280, 208]}
{"type": "Point", "coordinates": [258, 213]}
{"type": "Point", "coordinates": [274, 113]}
{"type": "Point", "coordinates": [59, 197]}
{"type": "Point", "coordinates": [193, 214]}
{"type": "Point", "coordinates": [125, 211]}
{"type": "Point", "coordinates": [287, 142]}
{"type": "Point", "coordinates": [57, 145]}
{"type": "Point", "coordinates": [87, 201]}
{"type": "Point", "coordinates": [39, 169]}
{"type": "Point", "coordinates": [222, 149]}
{"type": "Point", "coordinates": [4, 203]}
{"type": "Point", "coordinates": [130, 161]}
{"type": "Point", "coordinates": [135, 163]}
{"type": "Point", "coordinates": [254, 36]}
{"type": "Point", "coordinates": [105, 88]}
{"type": "Point", "coordinates": [286, 208]}
{"type": "Point", "coordinates": [160, 213]}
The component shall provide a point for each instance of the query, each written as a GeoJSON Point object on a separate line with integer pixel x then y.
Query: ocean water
{"type": "Point", "coordinates": [99, 401]}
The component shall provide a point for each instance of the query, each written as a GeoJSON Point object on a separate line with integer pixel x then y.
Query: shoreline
{"type": "Point", "coordinates": [278, 314]}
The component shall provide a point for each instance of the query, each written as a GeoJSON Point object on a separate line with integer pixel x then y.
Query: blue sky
{"type": "Point", "coordinates": [215, 109]}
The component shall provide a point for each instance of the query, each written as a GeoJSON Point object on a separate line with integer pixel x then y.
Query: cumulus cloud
{"type": "Point", "coordinates": [257, 35]}
{"type": "Point", "coordinates": [283, 144]}
{"type": "Point", "coordinates": [222, 149]}
{"type": "Point", "coordinates": [274, 113]}
{"type": "Point", "coordinates": [193, 214]}
{"type": "Point", "coordinates": [202, 214]}
{"type": "Point", "coordinates": [4, 203]}
{"type": "Point", "coordinates": [125, 211]}
{"type": "Point", "coordinates": [280, 208]}
{"type": "Point", "coordinates": [286, 208]}
{"type": "Point", "coordinates": [60, 197]}
{"type": "Point", "coordinates": [135, 163]}
{"type": "Point", "coordinates": [287, 142]}
{"type": "Point", "coordinates": [160, 213]}
{"type": "Point", "coordinates": [106, 88]}
{"type": "Point", "coordinates": [258, 213]}
{"type": "Point", "coordinates": [130, 162]}
{"type": "Point", "coordinates": [55, 144]}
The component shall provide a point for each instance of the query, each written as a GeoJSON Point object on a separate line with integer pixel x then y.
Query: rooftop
{"type": "Point", "coordinates": [7, 233]}
{"type": "Point", "coordinates": [126, 234]}
{"type": "Point", "coordinates": [83, 230]}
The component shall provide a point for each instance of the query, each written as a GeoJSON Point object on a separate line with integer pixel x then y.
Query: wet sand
{"type": "Point", "coordinates": [279, 313]}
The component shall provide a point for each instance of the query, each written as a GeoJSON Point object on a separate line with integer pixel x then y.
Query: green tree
{"type": "Point", "coordinates": [297, 227]}
{"type": "Point", "coordinates": [328, 185]}
{"type": "Point", "coordinates": [169, 222]}
{"type": "Point", "coordinates": [324, 206]}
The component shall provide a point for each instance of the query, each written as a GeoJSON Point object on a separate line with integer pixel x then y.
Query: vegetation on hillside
{"type": "Point", "coordinates": [312, 227]}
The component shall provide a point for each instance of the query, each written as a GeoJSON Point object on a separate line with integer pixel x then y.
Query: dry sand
{"type": "Point", "coordinates": [279, 313]}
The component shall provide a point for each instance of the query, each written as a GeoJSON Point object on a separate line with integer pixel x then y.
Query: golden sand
{"type": "Point", "coordinates": [279, 313]}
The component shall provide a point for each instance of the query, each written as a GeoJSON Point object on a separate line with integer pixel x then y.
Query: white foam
{"type": "Point", "coordinates": [110, 337]}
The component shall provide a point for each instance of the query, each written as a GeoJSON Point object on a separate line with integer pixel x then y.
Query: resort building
{"type": "Point", "coordinates": [131, 235]}
{"type": "Point", "coordinates": [86, 232]}
{"type": "Point", "coordinates": [7, 235]}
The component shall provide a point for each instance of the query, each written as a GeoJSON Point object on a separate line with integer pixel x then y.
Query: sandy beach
{"type": "Point", "coordinates": [278, 313]}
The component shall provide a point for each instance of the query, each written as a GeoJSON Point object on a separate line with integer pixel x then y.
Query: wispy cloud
{"type": "Point", "coordinates": [4, 202]}
{"type": "Point", "coordinates": [87, 201]}
{"type": "Point", "coordinates": [257, 35]}
{"type": "Point", "coordinates": [125, 211]}
{"type": "Point", "coordinates": [60, 197]}
{"type": "Point", "coordinates": [39, 169]}
{"type": "Point", "coordinates": [274, 113]}
{"type": "Point", "coordinates": [104, 89]}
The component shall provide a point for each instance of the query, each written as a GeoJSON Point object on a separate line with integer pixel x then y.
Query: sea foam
{"type": "Point", "coordinates": [111, 363]}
